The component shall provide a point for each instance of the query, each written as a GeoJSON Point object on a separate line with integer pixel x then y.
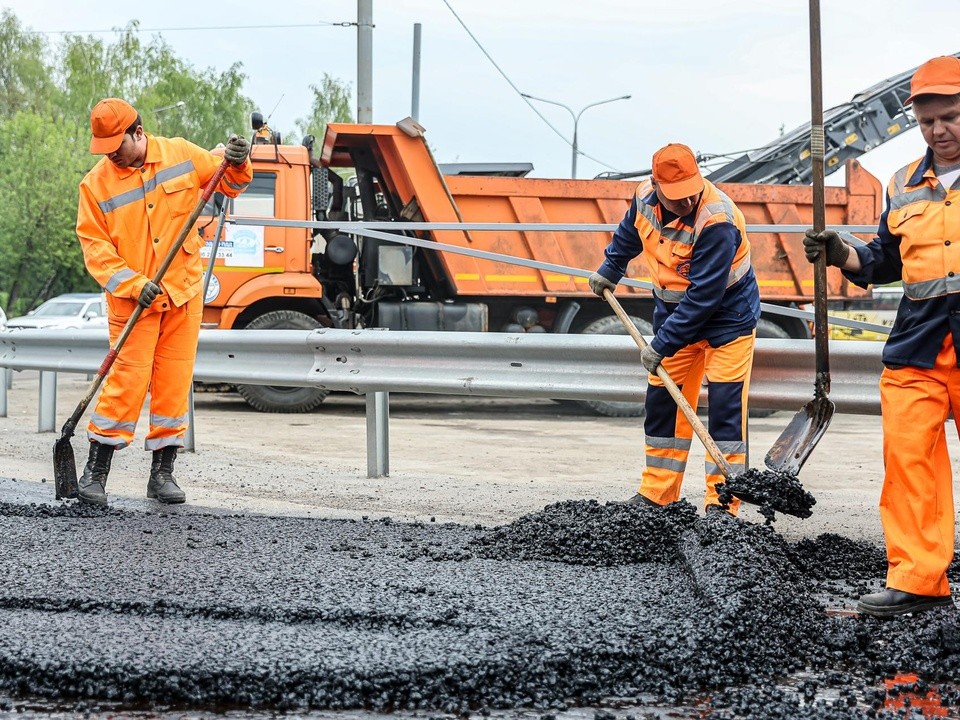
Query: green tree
{"type": "Point", "coordinates": [331, 103]}
{"type": "Point", "coordinates": [39, 252]}
{"type": "Point", "coordinates": [24, 75]}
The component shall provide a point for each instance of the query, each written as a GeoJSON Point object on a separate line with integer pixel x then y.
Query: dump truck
{"type": "Point", "coordinates": [298, 277]}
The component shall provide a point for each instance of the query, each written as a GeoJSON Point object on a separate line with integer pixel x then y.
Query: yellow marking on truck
{"type": "Point", "coordinates": [784, 283]}
{"type": "Point", "coordinates": [467, 276]}
{"type": "Point", "coordinates": [511, 278]}
{"type": "Point", "coordinates": [236, 268]}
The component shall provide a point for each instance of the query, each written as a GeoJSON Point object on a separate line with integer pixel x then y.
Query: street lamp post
{"type": "Point", "coordinates": [576, 120]}
{"type": "Point", "coordinates": [178, 105]}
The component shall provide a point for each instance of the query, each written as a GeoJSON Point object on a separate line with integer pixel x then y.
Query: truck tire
{"type": "Point", "coordinates": [277, 399]}
{"type": "Point", "coordinates": [611, 325]}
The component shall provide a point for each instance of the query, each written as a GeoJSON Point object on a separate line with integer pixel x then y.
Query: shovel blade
{"type": "Point", "coordinates": [65, 469]}
{"type": "Point", "coordinates": [800, 437]}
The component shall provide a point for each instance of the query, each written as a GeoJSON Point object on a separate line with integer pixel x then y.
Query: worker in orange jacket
{"type": "Point", "coordinates": [918, 242]}
{"type": "Point", "coordinates": [693, 240]}
{"type": "Point", "coordinates": [133, 205]}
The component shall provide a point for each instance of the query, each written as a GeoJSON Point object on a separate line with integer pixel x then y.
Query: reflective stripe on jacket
{"type": "Point", "coordinates": [129, 218]}
{"type": "Point", "coordinates": [918, 241]}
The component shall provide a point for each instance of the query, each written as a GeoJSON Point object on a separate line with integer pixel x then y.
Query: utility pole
{"type": "Point", "coordinates": [415, 94]}
{"type": "Point", "coordinates": [365, 61]}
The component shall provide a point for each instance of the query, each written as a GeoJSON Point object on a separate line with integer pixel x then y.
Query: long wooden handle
{"type": "Point", "coordinates": [672, 388]}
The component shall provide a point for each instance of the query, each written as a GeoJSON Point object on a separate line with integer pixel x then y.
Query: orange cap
{"type": "Point", "coordinates": [939, 76]}
{"type": "Point", "coordinates": [676, 172]}
{"type": "Point", "coordinates": [109, 120]}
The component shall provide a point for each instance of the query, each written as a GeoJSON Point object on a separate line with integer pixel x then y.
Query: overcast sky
{"type": "Point", "coordinates": [722, 77]}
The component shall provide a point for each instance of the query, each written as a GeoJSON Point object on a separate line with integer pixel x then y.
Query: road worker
{"type": "Point", "coordinates": [133, 205]}
{"type": "Point", "coordinates": [918, 242]}
{"type": "Point", "coordinates": [693, 240]}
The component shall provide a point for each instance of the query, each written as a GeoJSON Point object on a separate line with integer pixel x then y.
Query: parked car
{"type": "Point", "coordinates": [73, 311]}
{"type": "Point", "coordinates": [3, 319]}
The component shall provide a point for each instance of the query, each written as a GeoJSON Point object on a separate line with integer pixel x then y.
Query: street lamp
{"type": "Point", "coordinates": [576, 120]}
{"type": "Point", "coordinates": [178, 105]}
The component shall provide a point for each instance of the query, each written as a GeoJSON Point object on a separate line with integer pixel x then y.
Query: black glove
{"type": "Point", "coordinates": [837, 250]}
{"type": "Point", "coordinates": [148, 294]}
{"type": "Point", "coordinates": [237, 150]}
{"type": "Point", "coordinates": [650, 359]}
{"type": "Point", "coordinates": [598, 283]}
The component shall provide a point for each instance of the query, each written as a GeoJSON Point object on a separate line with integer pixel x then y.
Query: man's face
{"type": "Point", "coordinates": [132, 150]}
{"type": "Point", "coordinates": [939, 119]}
{"type": "Point", "coordinates": [681, 207]}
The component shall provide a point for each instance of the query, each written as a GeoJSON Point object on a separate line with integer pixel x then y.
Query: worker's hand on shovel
{"type": "Point", "coordinates": [651, 359]}
{"type": "Point", "coordinates": [149, 293]}
{"type": "Point", "coordinates": [816, 242]}
{"type": "Point", "coordinates": [598, 283]}
{"type": "Point", "coordinates": [237, 150]}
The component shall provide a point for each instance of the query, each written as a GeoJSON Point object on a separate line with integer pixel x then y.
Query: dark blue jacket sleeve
{"type": "Point", "coordinates": [709, 271]}
{"type": "Point", "coordinates": [880, 260]}
{"type": "Point", "coordinates": [624, 247]}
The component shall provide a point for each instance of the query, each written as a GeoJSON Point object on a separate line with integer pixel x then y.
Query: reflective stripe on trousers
{"type": "Point", "coordinates": [158, 355]}
{"type": "Point", "coordinates": [668, 433]}
{"type": "Point", "coordinates": [916, 503]}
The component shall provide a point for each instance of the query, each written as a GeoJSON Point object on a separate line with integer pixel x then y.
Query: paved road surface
{"type": "Point", "coordinates": [468, 460]}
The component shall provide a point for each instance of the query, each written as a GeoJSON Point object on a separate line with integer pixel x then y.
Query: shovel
{"type": "Point", "coordinates": [64, 464]}
{"type": "Point", "coordinates": [801, 436]}
{"type": "Point", "coordinates": [672, 388]}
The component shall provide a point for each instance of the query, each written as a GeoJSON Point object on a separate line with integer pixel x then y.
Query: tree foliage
{"type": "Point", "coordinates": [331, 103]}
{"type": "Point", "coordinates": [47, 92]}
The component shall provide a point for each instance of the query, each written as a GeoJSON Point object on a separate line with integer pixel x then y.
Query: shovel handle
{"type": "Point", "coordinates": [672, 388]}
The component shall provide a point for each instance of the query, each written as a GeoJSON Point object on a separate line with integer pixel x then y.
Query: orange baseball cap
{"type": "Point", "coordinates": [939, 76]}
{"type": "Point", "coordinates": [676, 172]}
{"type": "Point", "coordinates": [109, 120]}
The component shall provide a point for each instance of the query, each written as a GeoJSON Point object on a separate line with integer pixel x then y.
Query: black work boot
{"type": "Point", "coordinates": [163, 485]}
{"type": "Point", "coordinates": [891, 602]}
{"type": "Point", "coordinates": [93, 482]}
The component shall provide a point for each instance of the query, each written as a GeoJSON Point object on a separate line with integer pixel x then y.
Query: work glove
{"type": "Point", "coordinates": [148, 294]}
{"type": "Point", "coordinates": [598, 283]}
{"type": "Point", "coordinates": [650, 359]}
{"type": "Point", "coordinates": [237, 150]}
{"type": "Point", "coordinates": [837, 250]}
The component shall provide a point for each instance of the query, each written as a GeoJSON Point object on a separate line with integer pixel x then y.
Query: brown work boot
{"type": "Point", "coordinates": [93, 482]}
{"type": "Point", "coordinates": [163, 485]}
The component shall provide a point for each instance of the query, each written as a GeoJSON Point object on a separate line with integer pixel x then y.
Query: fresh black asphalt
{"type": "Point", "coordinates": [619, 608]}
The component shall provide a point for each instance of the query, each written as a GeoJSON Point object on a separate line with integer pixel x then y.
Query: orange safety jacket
{"type": "Point", "coordinates": [667, 249]}
{"type": "Point", "coordinates": [918, 241]}
{"type": "Point", "coordinates": [704, 285]}
{"type": "Point", "coordinates": [129, 218]}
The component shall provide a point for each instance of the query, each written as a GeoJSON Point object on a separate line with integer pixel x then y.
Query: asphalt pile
{"type": "Point", "coordinates": [625, 609]}
{"type": "Point", "coordinates": [770, 490]}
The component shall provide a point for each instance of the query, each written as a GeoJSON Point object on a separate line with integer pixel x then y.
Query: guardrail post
{"type": "Point", "coordinates": [48, 402]}
{"type": "Point", "coordinates": [189, 438]}
{"type": "Point", "coordinates": [378, 434]}
{"type": "Point", "coordinates": [4, 386]}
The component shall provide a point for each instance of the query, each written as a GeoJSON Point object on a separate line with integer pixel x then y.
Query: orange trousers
{"type": "Point", "coordinates": [159, 355]}
{"type": "Point", "coordinates": [916, 503]}
{"type": "Point", "coordinates": [669, 434]}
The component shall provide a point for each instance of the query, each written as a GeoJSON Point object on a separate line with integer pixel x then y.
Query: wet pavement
{"type": "Point", "coordinates": [581, 610]}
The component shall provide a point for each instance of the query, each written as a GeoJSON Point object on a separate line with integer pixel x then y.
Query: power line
{"type": "Point", "coordinates": [517, 90]}
{"type": "Point", "coordinates": [175, 29]}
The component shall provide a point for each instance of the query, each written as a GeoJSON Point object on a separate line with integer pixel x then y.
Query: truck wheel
{"type": "Point", "coordinates": [611, 325]}
{"type": "Point", "coordinates": [768, 329]}
{"type": "Point", "coordinates": [275, 399]}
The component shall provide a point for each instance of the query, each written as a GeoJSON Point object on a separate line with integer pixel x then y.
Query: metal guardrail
{"type": "Point", "coordinates": [375, 362]}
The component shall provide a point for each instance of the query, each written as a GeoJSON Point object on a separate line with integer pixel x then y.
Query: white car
{"type": "Point", "coordinates": [73, 311]}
